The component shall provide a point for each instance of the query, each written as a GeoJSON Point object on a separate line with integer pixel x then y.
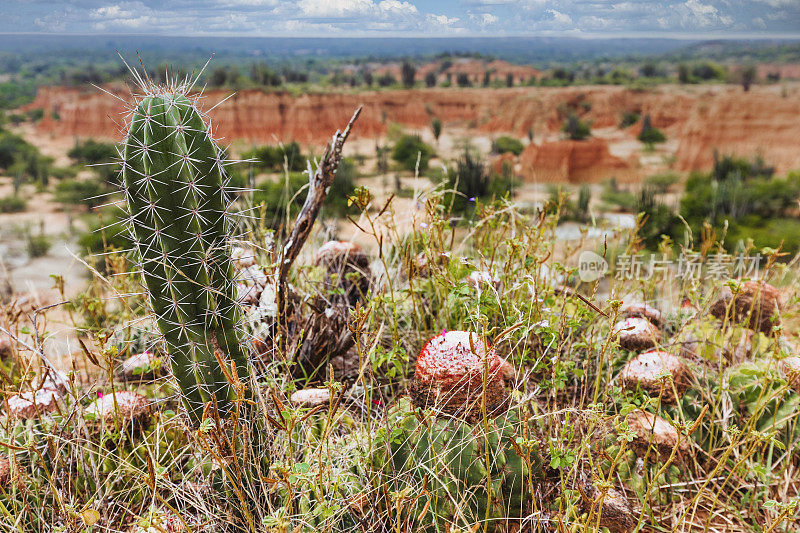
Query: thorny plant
{"type": "Point", "coordinates": [289, 468]}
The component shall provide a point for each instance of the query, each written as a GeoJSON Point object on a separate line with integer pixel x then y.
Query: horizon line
{"type": "Point", "coordinates": [678, 36]}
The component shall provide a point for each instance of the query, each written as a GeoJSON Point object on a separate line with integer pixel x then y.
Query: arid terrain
{"type": "Point", "coordinates": [497, 285]}
{"type": "Point", "coordinates": [696, 120]}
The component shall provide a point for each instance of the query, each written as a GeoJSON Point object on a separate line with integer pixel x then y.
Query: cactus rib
{"type": "Point", "coordinates": [175, 186]}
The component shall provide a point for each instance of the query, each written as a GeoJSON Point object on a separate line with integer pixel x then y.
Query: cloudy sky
{"type": "Point", "coordinates": [695, 18]}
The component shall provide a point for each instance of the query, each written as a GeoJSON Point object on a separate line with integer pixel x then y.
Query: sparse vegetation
{"type": "Point", "coordinates": [88, 193]}
{"type": "Point", "coordinates": [650, 135]}
{"type": "Point", "coordinates": [576, 129]}
{"type": "Point", "coordinates": [274, 158]}
{"type": "Point", "coordinates": [745, 196]}
{"type": "Point", "coordinates": [12, 204]}
{"type": "Point", "coordinates": [409, 149]}
{"type": "Point", "coordinates": [629, 118]}
{"type": "Point", "coordinates": [99, 156]}
{"type": "Point", "coordinates": [38, 245]}
{"type": "Point", "coordinates": [436, 128]}
{"type": "Point", "coordinates": [617, 198]}
{"type": "Point", "coordinates": [506, 144]}
{"type": "Point", "coordinates": [551, 405]}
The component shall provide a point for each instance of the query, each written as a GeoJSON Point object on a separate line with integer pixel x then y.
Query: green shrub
{"type": "Point", "coordinates": [629, 118]}
{"type": "Point", "coordinates": [273, 158]}
{"type": "Point", "coordinates": [743, 193]}
{"type": "Point", "coordinates": [773, 233]}
{"type": "Point", "coordinates": [274, 200]}
{"type": "Point", "coordinates": [623, 200]}
{"type": "Point", "coordinates": [661, 183]}
{"type": "Point", "coordinates": [99, 156]}
{"type": "Point", "coordinates": [91, 152]}
{"type": "Point", "coordinates": [343, 187]}
{"type": "Point", "coordinates": [571, 209]}
{"type": "Point", "coordinates": [505, 144]}
{"type": "Point", "coordinates": [471, 180]}
{"type": "Point", "coordinates": [406, 150]}
{"type": "Point", "coordinates": [35, 115]}
{"type": "Point", "coordinates": [708, 70]}
{"type": "Point", "coordinates": [11, 147]}
{"type": "Point", "coordinates": [659, 219]}
{"type": "Point", "coordinates": [575, 128]}
{"type": "Point", "coordinates": [106, 233]}
{"type": "Point", "coordinates": [649, 134]}
{"type": "Point", "coordinates": [64, 173]}
{"type": "Point", "coordinates": [38, 245]}
{"type": "Point", "coordinates": [89, 193]}
{"type": "Point", "coordinates": [436, 127]}
{"type": "Point", "coordinates": [23, 160]}
{"type": "Point", "coordinates": [12, 204]}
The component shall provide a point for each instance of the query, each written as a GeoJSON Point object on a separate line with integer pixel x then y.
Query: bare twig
{"type": "Point", "coordinates": [319, 182]}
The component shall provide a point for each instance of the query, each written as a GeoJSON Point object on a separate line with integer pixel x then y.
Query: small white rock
{"type": "Point", "coordinates": [311, 397]}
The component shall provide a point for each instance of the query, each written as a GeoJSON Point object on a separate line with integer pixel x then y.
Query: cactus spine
{"type": "Point", "coordinates": [472, 466]}
{"type": "Point", "coordinates": [175, 184]}
{"type": "Point", "coordinates": [470, 472]}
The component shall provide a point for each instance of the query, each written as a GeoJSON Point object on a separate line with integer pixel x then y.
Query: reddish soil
{"type": "Point", "coordinates": [697, 120]}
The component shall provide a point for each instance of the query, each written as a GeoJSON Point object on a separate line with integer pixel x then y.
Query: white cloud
{"type": "Point", "coordinates": [248, 3]}
{"type": "Point", "coordinates": [133, 15]}
{"type": "Point", "coordinates": [704, 15]}
{"type": "Point", "coordinates": [320, 17]}
{"type": "Point", "coordinates": [396, 7]}
{"type": "Point", "coordinates": [559, 17]}
{"type": "Point", "coordinates": [779, 3]}
{"type": "Point", "coordinates": [595, 23]}
{"type": "Point", "coordinates": [54, 21]}
{"type": "Point", "coordinates": [367, 10]}
{"type": "Point", "coordinates": [442, 20]}
{"type": "Point", "coordinates": [483, 19]}
{"type": "Point", "coordinates": [534, 4]}
{"type": "Point", "coordinates": [336, 8]}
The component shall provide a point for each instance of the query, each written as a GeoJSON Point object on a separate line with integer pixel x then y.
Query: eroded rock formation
{"type": "Point", "coordinates": [699, 119]}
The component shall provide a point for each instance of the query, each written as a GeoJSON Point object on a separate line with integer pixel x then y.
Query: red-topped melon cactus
{"type": "Point", "coordinates": [473, 471]}
{"type": "Point", "coordinates": [450, 375]}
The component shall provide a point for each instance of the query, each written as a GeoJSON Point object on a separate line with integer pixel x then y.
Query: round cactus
{"type": "Point", "coordinates": [449, 376]}
{"type": "Point", "coordinates": [475, 467]}
{"type": "Point", "coordinates": [175, 186]}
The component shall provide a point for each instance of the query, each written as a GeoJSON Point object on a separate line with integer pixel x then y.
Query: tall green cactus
{"type": "Point", "coordinates": [175, 187]}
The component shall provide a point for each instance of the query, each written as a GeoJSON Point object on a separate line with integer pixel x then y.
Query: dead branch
{"type": "Point", "coordinates": [319, 183]}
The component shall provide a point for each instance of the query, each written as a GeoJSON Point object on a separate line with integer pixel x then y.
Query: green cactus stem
{"type": "Point", "coordinates": [175, 186]}
{"type": "Point", "coordinates": [456, 435]}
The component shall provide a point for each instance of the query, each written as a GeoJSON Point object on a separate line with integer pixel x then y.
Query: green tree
{"type": "Point", "coordinates": [575, 128]}
{"type": "Point", "coordinates": [747, 76]}
{"type": "Point", "coordinates": [408, 72]}
{"type": "Point", "coordinates": [430, 79]}
{"type": "Point", "coordinates": [683, 74]}
{"type": "Point", "coordinates": [436, 128]}
{"type": "Point", "coordinates": [408, 148]}
{"type": "Point", "coordinates": [506, 143]}
{"type": "Point", "coordinates": [650, 135]}
{"type": "Point", "coordinates": [100, 156]}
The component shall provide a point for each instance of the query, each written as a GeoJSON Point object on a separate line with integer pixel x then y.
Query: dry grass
{"type": "Point", "coordinates": [279, 467]}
